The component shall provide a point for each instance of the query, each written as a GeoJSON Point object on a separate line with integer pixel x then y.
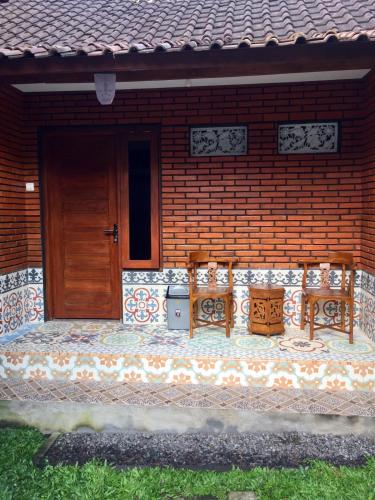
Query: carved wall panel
{"type": "Point", "coordinates": [218, 141]}
{"type": "Point", "coordinates": [299, 138]}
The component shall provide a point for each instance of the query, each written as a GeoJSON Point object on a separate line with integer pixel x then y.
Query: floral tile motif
{"type": "Point", "coordinates": [292, 307]}
{"type": "Point", "coordinates": [368, 314]}
{"type": "Point", "coordinates": [283, 374]}
{"type": "Point", "coordinates": [156, 283]}
{"type": "Point", "coordinates": [143, 304]}
{"type": "Point", "coordinates": [368, 282]}
{"type": "Point", "coordinates": [34, 304]}
{"type": "Point", "coordinates": [302, 345]}
{"type": "Point", "coordinates": [214, 309]}
{"type": "Point", "coordinates": [152, 310]}
{"type": "Point", "coordinates": [21, 299]}
{"type": "Point", "coordinates": [113, 337]}
{"type": "Point", "coordinates": [1, 317]}
{"type": "Point", "coordinates": [78, 338]}
{"type": "Point", "coordinates": [165, 277]}
{"type": "Point", "coordinates": [13, 281]}
{"type": "Point", "coordinates": [165, 339]}
{"type": "Point", "coordinates": [35, 275]}
{"type": "Point", "coordinates": [13, 310]}
{"type": "Point", "coordinates": [246, 277]}
{"type": "Point", "coordinates": [38, 338]}
{"type": "Point", "coordinates": [241, 306]}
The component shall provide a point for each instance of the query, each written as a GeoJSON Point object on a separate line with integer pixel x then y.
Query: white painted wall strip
{"type": "Point", "coordinates": [200, 82]}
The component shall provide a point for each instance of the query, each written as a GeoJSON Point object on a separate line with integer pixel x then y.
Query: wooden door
{"type": "Point", "coordinates": [80, 207]}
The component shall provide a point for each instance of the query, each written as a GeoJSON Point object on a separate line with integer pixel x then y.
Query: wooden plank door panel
{"type": "Point", "coordinates": [80, 175]}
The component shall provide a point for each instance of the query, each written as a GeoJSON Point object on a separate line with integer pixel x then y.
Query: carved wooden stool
{"type": "Point", "coordinates": [266, 309]}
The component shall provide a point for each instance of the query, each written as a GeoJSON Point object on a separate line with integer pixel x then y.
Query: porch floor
{"type": "Point", "coordinates": [109, 351]}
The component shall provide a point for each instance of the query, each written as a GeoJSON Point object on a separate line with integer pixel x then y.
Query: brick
{"type": "Point", "coordinates": [266, 208]}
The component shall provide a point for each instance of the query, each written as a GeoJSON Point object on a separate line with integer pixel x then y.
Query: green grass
{"type": "Point", "coordinates": [19, 479]}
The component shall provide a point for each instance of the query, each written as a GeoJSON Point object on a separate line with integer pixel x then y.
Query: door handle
{"type": "Point", "coordinates": [113, 232]}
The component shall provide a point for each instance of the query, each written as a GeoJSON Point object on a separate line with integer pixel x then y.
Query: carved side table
{"type": "Point", "coordinates": [266, 309]}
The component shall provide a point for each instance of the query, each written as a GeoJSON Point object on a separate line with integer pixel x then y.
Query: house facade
{"type": "Point", "coordinates": [101, 204]}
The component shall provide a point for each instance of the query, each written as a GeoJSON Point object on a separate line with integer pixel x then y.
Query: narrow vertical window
{"type": "Point", "coordinates": [139, 161]}
{"type": "Point", "coordinates": [140, 201]}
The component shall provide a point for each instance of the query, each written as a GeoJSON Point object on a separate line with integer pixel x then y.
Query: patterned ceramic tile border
{"type": "Point", "coordinates": [367, 301]}
{"type": "Point", "coordinates": [368, 282]}
{"type": "Point", "coordinates": [114, 338]}
{"type": "Point", "coordinates": [21, 296]}
{"type": "Point", "coordinates": [297, 374]}
{"type": "Point", "coordinates": [258, 399]}
{"type": "Point", "coordinates": [285, 277]}
{"type": "Point", "coordinates": [13, 281]}
{"type": "Point", "coordinates": [144, 295]}
{"type": "Point", "coordinates": [21, 299]}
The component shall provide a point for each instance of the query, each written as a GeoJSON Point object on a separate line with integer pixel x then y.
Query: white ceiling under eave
{"type": "Point", "coordinates": [316, 76]}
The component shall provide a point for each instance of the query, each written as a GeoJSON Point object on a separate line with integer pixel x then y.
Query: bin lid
{"type": "Point", "coordinates": [177, 292]}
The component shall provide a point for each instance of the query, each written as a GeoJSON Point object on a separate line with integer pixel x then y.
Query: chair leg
{"type": "Point", "coordinates": [312, 313]}
{"type": "Point", "coordinates": [303, 312]}
{"type": "Point", "coordinates": [231, 312]}
{"type": "Point", "coordinates": [227, 316]}
{"type": "Point", "coordinates": [351, 321]}
{"type": "Point", "coordinates": [192, 319]}
{"type": "Point", "coordinates": [343, 313]}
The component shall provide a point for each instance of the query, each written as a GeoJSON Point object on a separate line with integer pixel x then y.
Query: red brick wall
{"type": "Point", "coordinates": [368, 224]}
{"type": "Point", "coordinates": [13, 227]}
{"type": "Point", "coordinates": [268, 209]}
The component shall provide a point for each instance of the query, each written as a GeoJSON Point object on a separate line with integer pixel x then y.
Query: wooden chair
{"type": "Point", "coordinates": [343, 294]}
{"type": "Point", "coordinates": [211, 290]}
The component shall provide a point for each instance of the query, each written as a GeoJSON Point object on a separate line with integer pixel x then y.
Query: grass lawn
{"type": "Point", "coordinates": [19, 479]}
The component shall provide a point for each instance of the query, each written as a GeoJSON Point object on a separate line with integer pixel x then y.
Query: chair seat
{"type": "Point", "coordinates": [210, 291]}
{"type": "Point", "coordinates": [324, 292]}
{"type": "Point", "coordinates": [217, 292]}
{"type": "Point", "coordinates": [343, 292]}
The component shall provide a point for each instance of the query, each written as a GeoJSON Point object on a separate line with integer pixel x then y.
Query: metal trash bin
{"type": "Point", "coordinates": [178, 307]}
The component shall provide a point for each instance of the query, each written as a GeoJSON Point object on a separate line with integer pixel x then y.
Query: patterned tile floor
{"type": "Point", "coordinates": [111, 337]}
{"type": "Point", "coordinates": [108, 351]}
{"type": "Point", "coordinates": [259, 399]}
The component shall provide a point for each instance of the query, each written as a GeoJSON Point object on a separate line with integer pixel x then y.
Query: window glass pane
{"type": "Point", "coordinates": [139, 200]}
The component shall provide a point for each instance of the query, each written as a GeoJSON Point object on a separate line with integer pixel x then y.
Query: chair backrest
{"type": "Point", "coordinates": [199, 257]}
{"type": "Point", "coordinates": [203, 258]}
{"type": "Point", "coordinates": [342, 261]}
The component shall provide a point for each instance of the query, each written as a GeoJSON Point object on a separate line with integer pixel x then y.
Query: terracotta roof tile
{"type": "Point", "coordinates": [93, 27]}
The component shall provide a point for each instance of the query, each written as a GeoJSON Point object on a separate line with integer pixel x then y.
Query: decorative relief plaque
{"type": "Point", "coordinates": [297, 138]}
{"type": "Point", "coordinates": [218, 141]}
{"type": "Point", "coordinates": [324, 276]}
{"type": "Point", "coordinates": [212, 278]}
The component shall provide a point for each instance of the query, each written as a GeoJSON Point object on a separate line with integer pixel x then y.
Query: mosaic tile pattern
{"type": "Point", "coordinates": [34, 303]}
{"type": "Point", "coordinates": [35, 276]}
{"type": "Point", "coordinates": [21, 296]}
{"type": "Point", "coordinates": [6, 338]}
{"type": "Point", "coordinates": [12, 281]}
{"type": "Point", "coordinates": [144, 305]}
{"type": "Point", "coordinates": [153, 286]}
{"type": "Point", "coordinates": [13, 309]}
{"type": "Point", "coordinates": [112, 337]}
{"type": "Point", "coordinates": [368, 314]}
{"type": "Point", "coordinates": [110, 351]}
{"type": "Point", "coordinates": [368, 304]}
{"type": "Point", "coordinates": [21, 299]}
{"type": "Point", "coordinates": [12, 298]}
{"type": "Point", "coordinates": [192, 396]}
{"type": "Point", "coordinates": [246, 277]}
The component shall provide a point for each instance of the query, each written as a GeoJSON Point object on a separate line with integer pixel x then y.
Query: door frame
{"type": "Point", "coordinates": [45, 221]}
